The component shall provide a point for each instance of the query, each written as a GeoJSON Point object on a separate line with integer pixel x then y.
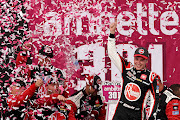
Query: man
{"type": "Point", "coordinates": [44, 67]}
{"type": "Point", "coordinates": [89, 105]}
{"type": "Point", "coordinates": [24, 56]}
{"type": "Point", "coordinates": [170, 103]}
{"type": "Point", "coordinates": [19, 99]}
{"type": "Point", "coordinates": [138, 83]}
{"type": "Point", "coordinates": [53, 105]}
{"type": "Point", "coordinates": [49, 105]}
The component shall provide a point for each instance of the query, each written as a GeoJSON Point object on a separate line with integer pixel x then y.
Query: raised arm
{"type": "Point", "coordinates": [14, 101]}
{"type": "Point", "coordinates": [112, 53]}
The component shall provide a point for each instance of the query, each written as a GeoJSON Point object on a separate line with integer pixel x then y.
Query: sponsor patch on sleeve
{"type": "Point", "coordinates": [175, 112]}
{"type": "Point", "coordinates": [175, 107]}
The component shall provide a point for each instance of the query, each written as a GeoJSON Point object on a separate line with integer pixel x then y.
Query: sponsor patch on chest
{"type": "Point", "coordinates": [132, 92]}
{"type": "Point", "coordinates": [143, 77]}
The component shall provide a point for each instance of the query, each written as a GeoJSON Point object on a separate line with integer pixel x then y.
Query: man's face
{"type": "Point", "coordinates": [92, 91]}
{"type": "Point", "coordinates": [53, 88]}
{"type": "Point", "coordinates": [140, 63]}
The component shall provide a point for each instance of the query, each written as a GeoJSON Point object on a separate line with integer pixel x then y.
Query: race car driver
{"type": "Point", "coordinates": [138, 83]}
{"type": "Point", "coordinates": [89, 105]}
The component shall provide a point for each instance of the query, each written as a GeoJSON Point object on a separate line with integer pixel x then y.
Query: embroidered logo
{"type": "Point", "coordinates": [175, 112]}
{"type": "Point", "coordinates": [143, 76]}
{"type": "Point", "coordinates": [175, 107]}
{"type": "Point", "coordinates": [152, 76]}
{"type": "Point", "coordinates": [141, 51]}
{"type": "Point", "coordinates": [132, 92]}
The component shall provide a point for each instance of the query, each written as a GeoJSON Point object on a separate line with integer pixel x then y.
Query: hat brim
{"type": "Point", "coordinates": [136, 55]}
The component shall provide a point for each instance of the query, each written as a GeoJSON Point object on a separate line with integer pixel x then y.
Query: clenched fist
{"type": "Point", "coordinates": [113, 27]}
{"type": "Point", "coordinates": [39, 83]}
{"type": "Point", "coordinates": [61, 98]}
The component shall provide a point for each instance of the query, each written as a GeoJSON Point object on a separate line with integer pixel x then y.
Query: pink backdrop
{"type": "Point", "coordinates": [77, 30]}
{"type": "Point", "coordinates": [66, 25]}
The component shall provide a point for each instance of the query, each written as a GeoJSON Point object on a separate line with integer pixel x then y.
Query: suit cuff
{"type": "Point", "coordinates": [112, 35]}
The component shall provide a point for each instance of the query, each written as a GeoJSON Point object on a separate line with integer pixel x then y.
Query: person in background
{"type": "Point", "coordinates": [169, 107]}
{"type": "Point", "coordinates": [48, 103]}
{"type": "Point", "coordinates": [19, 99]}
{"type": "Point", "coordinates": [53, 105]}
{"type": "Point", "coordinates": [138, 83]}
{"type": "Point", "coordinates": [89, 104]}
{"type": "Point", "coordinates": [45, 67]}
{"type": "Point", "coordinates": [24, 56]}
{"type": "Point", "coordinates": [22, 70]}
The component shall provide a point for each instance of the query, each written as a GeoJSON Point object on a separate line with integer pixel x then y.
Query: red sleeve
{"type": "Point", "coordinates": [173, 110]}
{"type": "Point", "coordinates": [65, 94]}
{"type": "Point", "coordinates": [102, 113]}
{"type": "Point", "coordinates": [46, 101]}
{"type": "Point", "coordinates": [155, 93]}
{"type": "Point", "coordinates": [18, 100]}
{"type": "Point", "coordinates": [71, 115]}
{"type": "Point", "coordinates": [20, 59]}
{"type": "Point", "coordinates": [73, 105]}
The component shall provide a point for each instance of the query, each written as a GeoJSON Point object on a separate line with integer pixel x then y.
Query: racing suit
{"type": "Point", "coordinates": [169, 106]}
{"type": "Point", "coordinates": [18, 104]}
{"type": "Point", "coordinates": [138, 86]}
{"type": "Point", "coordinates": [88, 107]}
{"type": "Point", "coordinates": [23, 57]}
{"type": "Point", "coordinates": [50, 108]}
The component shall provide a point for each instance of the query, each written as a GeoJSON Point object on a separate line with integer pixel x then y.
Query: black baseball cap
{"type": "Point", "coordinates": [94, 81]}
{"type": "Point", "coordinates": [142, 52]}
{"type": "Point", "coordinates": [46, 51]}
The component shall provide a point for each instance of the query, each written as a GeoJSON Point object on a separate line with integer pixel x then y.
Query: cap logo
{"type": "Point", "coordinates": [141, 51]}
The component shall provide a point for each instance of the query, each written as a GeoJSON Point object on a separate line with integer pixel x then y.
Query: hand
{"type": "Point", "coordinates": [113, 27]}
{"type": "Point", "coordinates": [61, 98]}
{"type": "Point", "coordinates": [26, 47]}
{"type": "Point", "coordinates": [39, 83]}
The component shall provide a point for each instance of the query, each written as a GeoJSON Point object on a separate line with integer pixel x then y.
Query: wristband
{"type": "Point", "coordinates": [112, 35]}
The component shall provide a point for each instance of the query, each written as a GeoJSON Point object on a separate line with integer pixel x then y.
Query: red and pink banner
{"type": "Point", "coordinates": [78, 31]}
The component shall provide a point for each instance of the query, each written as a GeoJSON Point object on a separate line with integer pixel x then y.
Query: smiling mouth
{"type": "Point", "coordinates": [138, 66]}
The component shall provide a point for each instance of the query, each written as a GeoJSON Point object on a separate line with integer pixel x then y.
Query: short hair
{"type": "Point", "coordinates": [176, 89]}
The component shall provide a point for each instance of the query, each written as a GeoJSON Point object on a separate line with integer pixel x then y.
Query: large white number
{"type": "Point", "coordinates": [156, 51]}
{"type": "Point", "coordinates": [114, 95]}
{"type": "Point", "coordinates": [110, 95]}
{"type": "Point", "coordinates": [98, 59]}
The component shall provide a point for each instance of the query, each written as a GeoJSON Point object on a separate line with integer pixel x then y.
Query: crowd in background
{"type": "Point", "coordinates": [37, 91]}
